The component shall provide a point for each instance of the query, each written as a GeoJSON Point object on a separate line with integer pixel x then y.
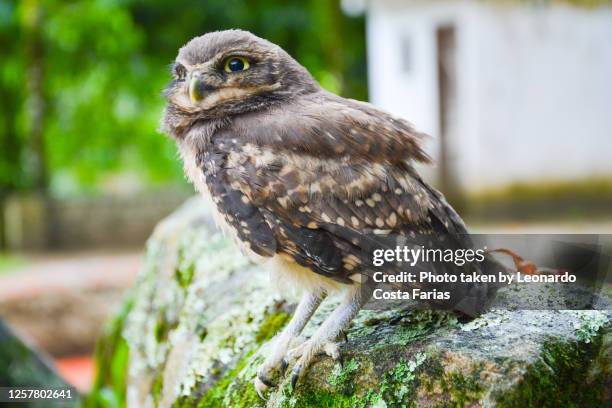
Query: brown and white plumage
{"type": "Point", "coordinates": [320, 176]}
{"type": "Point", "coordinates": [308, 179]}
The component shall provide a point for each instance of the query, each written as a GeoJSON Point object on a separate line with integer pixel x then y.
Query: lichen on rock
{"type": "Point", "coordinates": [202, 316]}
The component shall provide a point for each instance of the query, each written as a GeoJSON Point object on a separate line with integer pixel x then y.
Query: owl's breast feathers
{"type": "Point", "coordinates": [323, 182]}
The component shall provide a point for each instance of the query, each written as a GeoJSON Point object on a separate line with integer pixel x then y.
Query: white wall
{"type": "Point", "coordinates": [412, 95]}
{"type": "Point", "coordinates": [534, 95]}
{"type": "Point", "coordinates": [545, 94]}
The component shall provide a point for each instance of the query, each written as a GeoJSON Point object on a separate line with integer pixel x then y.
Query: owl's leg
{"type": "Point", "coordinates": [324, 338]}
{"type": "Point", "coordinates": [287, 338]}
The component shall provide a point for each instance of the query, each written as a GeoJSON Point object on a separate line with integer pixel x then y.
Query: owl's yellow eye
{"type": "Point", "coordinates": [236, 64]}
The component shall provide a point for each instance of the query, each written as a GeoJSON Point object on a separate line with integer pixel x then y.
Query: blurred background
{"type": "Point", "coordinates": [516, 95]}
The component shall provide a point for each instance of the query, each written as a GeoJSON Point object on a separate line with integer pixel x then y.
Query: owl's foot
{"type": "Point", "coordinates": [302, 355]}
{"type": "Point", "coordinates": [274, 362]}
{"type": "Point", "coordinates": [324, 339]}
{"type": "Point", "coordinates": [329, 348]}
{"type": "Point", "coordinates": [287, 339]}
{"type": "Point", "coordinates": [305, 353]}
{"type": "Point", "coordinates": [260, 388]}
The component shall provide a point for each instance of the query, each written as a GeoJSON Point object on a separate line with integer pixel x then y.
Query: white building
{"type": "Point", "coordinates": [527, 86]}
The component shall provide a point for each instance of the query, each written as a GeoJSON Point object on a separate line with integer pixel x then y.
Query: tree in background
{"type": "Point", "coordinates": [80, 81]}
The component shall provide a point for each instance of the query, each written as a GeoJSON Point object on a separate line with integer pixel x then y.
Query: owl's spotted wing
{"type": "Point", "coordinates": [333, 181]}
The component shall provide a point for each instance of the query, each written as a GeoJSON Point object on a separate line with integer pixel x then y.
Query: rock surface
{"type": "Point", "coordinates": [201, 316]}
{"type": "Point", "coordinates": [23, 367]}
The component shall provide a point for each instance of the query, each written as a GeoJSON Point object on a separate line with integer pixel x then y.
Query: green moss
{"type": "Point", "coordinates": [202, 332]}
{"type": "Point", "coordinates": [219, 395]}
{"type": "Point", "coordinates": [111, 358]}
{"type": "Point", "coordinates": [448, 388]}
{"type": "Point", "coordinates": [558, 378]}
{"type": "Point", "coordinates": [342, 374]}
{"type": "Point", "coordinates": [163, 326]}
{"type": "Point", "coordinates": [396, 389]}
{"type": "Point", "coordinates": [398, 386]}
{"type": "Point", "coordinates": [463, 390]}
{"type": "Point", "coordinates": [342, 377]}
{"type": "Point", "coordinates": [158, 386]}
{"type": "Point", "coordinates": [308, 396]}
{"type": "Point", "coordinates": [325, 400]}
{"type": "Point", "coordinates": [184, 275]}
{"type": "Point", "coordinates": [185, 402]}
{"type": "Point", "coordinates": [235, 389]}
{"type": "Point", "coordinates": [421, 323]}
{"type": "Point", "coordinates": [272, 324]}
{"type": "Point", "coordinates": [244, 396]}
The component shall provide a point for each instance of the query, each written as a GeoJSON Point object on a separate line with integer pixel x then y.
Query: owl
{"type": "Point", "coordinates": [308, 182]}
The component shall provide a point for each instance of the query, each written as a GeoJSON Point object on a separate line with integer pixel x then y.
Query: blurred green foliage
{"type": "Point", "coordinates": [10, 262]}
{"type": "Point", "coordinates": [111, 357]}
{"type": "Point", "coordinates": [104, 63]}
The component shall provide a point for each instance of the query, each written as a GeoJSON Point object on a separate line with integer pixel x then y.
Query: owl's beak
{"type": "Point", "coordinates": [197, 89]}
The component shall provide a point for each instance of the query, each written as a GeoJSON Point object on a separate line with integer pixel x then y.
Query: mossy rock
{"type": "Point", "coordinates": [201, 316]}
{"type": "Point", "coordinates": [21, 366]}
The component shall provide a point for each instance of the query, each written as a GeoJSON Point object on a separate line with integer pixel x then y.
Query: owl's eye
{"type": "Point", "coordinates": [236, 64]}
{"type": "Point", "coordinates": [179, 71]}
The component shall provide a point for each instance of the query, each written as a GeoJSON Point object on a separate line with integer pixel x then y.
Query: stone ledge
{"type": "Point", "coordinates": [201, 316]}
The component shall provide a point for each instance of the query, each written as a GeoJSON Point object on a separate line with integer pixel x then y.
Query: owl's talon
{"type": "Point", "coordinates": [275, 363]}
{"type": "Point", "coordinates": [295, 353]}
{"type": "Point", "coordinates": [260, 388]}
{"type": "Point", "coordinates": [332, 350]}
{"type": "Point", "coordinates": [283, 366]}
{"type": "Point", "coordinates": [264, 378]}
{"type": "Point", "coordinates": [295, 375]}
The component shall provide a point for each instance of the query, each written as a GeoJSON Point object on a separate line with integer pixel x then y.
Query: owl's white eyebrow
{"type": "Point", "coordinates": [236, 51]}
{"type": "Point", "coordinates": [239, 52]}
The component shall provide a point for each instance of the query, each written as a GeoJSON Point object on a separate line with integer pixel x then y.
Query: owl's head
{"type": "Point", "coordinates": [227, 73]}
